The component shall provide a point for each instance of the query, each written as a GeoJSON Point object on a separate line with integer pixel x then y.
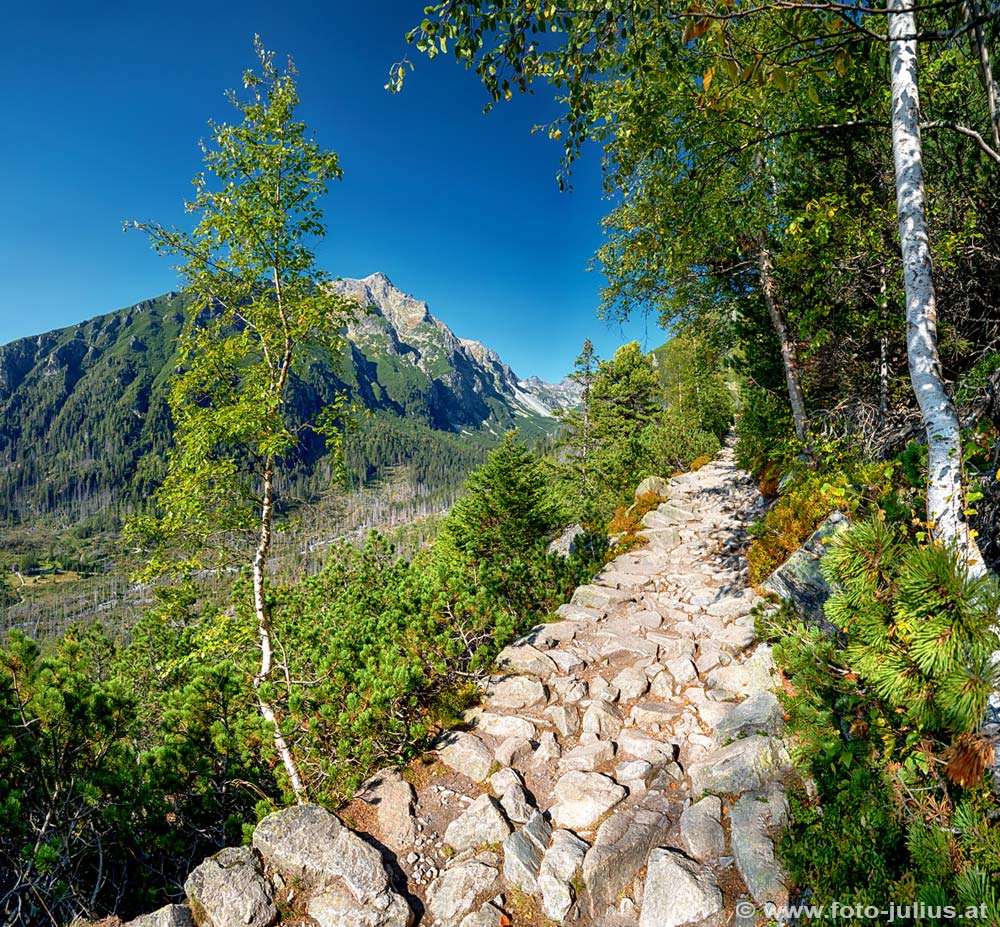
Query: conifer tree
{"type": "Point", "coordinates": [507, 510]}
{"type": "Point", "coordinates": [920, 623]}
{"type": "Point", "coordinates": [578, 438]}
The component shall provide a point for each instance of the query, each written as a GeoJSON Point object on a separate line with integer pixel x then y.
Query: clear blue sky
{"type": "Point", "coordinates": [104, 106]}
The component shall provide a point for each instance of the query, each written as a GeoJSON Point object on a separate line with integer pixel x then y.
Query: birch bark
{"type": "Point", "coordinates": [945, 492]}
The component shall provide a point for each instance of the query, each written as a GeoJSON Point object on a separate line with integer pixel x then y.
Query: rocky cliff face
{"type": "Point", "coordinates": [482, 388]}
{"type": "Point", "coordinates": [626, 768]}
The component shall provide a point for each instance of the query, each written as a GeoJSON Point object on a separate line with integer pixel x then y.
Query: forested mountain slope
{"type": "Point", "coordinates": [84, 422]}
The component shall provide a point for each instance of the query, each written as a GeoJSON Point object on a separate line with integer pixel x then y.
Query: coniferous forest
{"type": "Point", "coordinates": [805, 196]}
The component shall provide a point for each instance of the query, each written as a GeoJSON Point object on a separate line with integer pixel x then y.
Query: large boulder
{"type": "Point", "coordinates": [680, 892]}
{"type": "Point", "coordinates": [173, 915]}
{"type": "Point", "coordinates": [800, 581]}
{"type": "Point", "coordinates": [308, 845]}
{"type": "Point", "coordinates": [229, 890]}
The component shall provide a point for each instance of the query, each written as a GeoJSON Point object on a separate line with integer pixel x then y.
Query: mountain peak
{"type": "Point", "coordinates": [402, 310]}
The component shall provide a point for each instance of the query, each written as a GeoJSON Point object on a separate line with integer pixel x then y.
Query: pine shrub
{"type": "Point", "coordinates": [920, 626]}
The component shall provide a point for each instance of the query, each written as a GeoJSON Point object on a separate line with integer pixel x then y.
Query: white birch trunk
{"type": "Point", "coordinates": [264, 627]}
{"type": "Point", "coordinates": [945, 492]}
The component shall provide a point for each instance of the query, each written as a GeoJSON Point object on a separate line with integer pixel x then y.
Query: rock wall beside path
{"type": "Point", "coordinates": [625, 769]}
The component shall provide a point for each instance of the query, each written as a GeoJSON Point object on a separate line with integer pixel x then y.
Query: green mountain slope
{"type": "Point", "coordinates": [85, 427]}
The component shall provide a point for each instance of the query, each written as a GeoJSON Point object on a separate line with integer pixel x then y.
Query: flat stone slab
{"type": "Point", "coordinates": [643, 747]}
{"type": "Point", "coordinates": [602, 719]}
{"type": "Point", "coordinates": [566, 662]}
{"type": "Point", "coordinates": [504, 726]}
{"type": "Point", "coordinates": [587, 757]}
{"type": "Point", "coordinates": [516, 692]}
{"type": "Point", "coordinates": [582, 798]}
{"type": "Point", "coordinates": [751, 820]}
{"type": "Point", "coordinates": [655, 717]}
{"type": "Point", "coordinates": [394, 800]}
{"type": "Point", "coordinates": [701, 829]}
{"type": "Point", "coordinates": [544, 636]}
{"type": "Point", "coordinates": [454, 892]}
{"type": "Point", "coordinates": [481, 824]}
{"type": "Point", "coordinates": [486, 916]}
{"type": "Point", "coordinates": [756, 674]}
{"type": "Point", "coordinates": [746, 765]}
{"type": "Point", "coordinates": [466, 754]}
{"type": "Point", "coordinates": [561, 864]}
{"type": "Point", "coordinates": [600, 597]}
{"type": "Point", "coordinates": [620, 848]}
{"type": "Point", "coordinates": [580, 613]}
{"type": "Point", "coordinates": [762, 713]}
{"type": "Point", "coordinates": [525, 659]}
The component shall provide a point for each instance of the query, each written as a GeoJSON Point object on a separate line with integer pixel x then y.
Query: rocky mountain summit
{"type": "Point", "coordinates": [395, 324]}
{"type": "Point", "coordinates": [626, 768]}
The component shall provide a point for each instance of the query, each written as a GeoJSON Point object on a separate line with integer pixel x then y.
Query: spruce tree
{"type": "Point", "coordinates": [577, 440]}
{"type": "Point", "coordinates": [507, 510]}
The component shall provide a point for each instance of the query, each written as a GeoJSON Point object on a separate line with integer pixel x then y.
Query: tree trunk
{"type": "Point", "coordinates": [789, 359]}
{"type": "Point", "coordinates": [264, 625]}
{"type": "Point", "coordinates": [981, 50]}
{"type": "Point", "coordinates": [883, 359]}
{"type": "Point", "coordinates": [945, 492]}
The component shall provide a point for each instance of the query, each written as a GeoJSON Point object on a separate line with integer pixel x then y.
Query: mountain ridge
{"type": "Point", "coordinates": [84, 421]}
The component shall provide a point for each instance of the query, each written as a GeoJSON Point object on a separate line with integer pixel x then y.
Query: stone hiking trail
{"type": "Point", "coordinates": [626, 768]}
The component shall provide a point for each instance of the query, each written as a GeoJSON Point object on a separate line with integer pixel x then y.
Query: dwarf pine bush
{"type": "Point", "coordinates": [920, 626]}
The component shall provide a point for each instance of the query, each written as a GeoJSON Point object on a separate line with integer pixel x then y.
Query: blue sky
{"type": "Point", "coordinates": [105, 103]}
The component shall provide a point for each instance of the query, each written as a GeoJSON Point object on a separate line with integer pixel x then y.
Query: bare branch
{"type": "Point", "coordinates": [967, 132]}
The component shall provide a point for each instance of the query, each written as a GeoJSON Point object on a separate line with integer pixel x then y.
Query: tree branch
{"type": "Point", "coordinates": [967, 132]}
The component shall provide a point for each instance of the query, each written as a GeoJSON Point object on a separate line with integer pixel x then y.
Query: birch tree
{"type": "Point", "coordinates": [260, 305]}
{"type": "Point", "coordinates": [945, 490]}
{"type": "Point", "coordinates": [616, 67]}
